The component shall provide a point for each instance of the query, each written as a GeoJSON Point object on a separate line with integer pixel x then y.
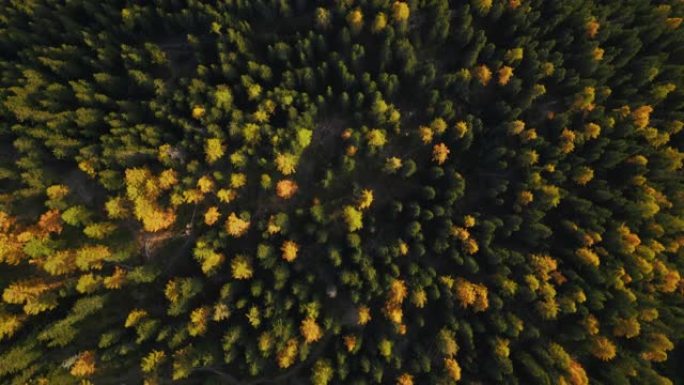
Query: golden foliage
{"type": "Point", "coordinates": [592, 27]}
{"type": "Point", "coordinates": [405, 379]}
{"type": "Point", "coordinates": [57, 192]}
{"type": "Point", "coordinates": [84, 365]}
{"type": "Point", "coordinates": [471, 294]}
{"type": "Point", "coordinates": [366, 199]}
{"type": "Point", "coordinates": [355, 20]}
{"type": "Point", "coordinates": [516, 127]}
{"type": "Point", "coordinates": [236, 226]}
{"type": "Point", "coordinates": [641, 116]}
{"type": "Point", "coordinates": [286, 163]}
{"type": "Point", "coordinates": [597, 53]}
{"type": "Point", "coordinates": [241, 268]}
{"type": "Point", "coordinates": [363, 315]}
{"type": "Point", "coordinates": [151, 361]}
{"type": "Point", "coordinates": [288, 354]}
{"type": "Point", "coordinates": [213, 150]}
{"type": "Point", "coordinates": [603, 349]}
{"type": "Point", "coordinates": [51, 222]}
{"type": "Point", "coordinates": [199, 319]}
{"type": "Point", "coordinates": [400, 11]}
{"type": "Point", "coordinates": [134, 317]}
{"type": "Point", "coordinates": [483, 74]}
{"type": "Point", "coordinates": [286, 188]}
{"type": "Point", "coordinates": [628, 328]}
{"type": "Point", "coordinates": [349, 342]}
{"type": "Point", "coordinates": [505, 74]}
{"type": "Point", "coordinates": [440, 153]}
{"type": "Point", "coordinates": [461, 128]}
{"type": "Point", "coordinates": [198, 112]}
{"type": "Point", "coordinates": [376, 138]}
{"type": "Point", "coordinates": [116, 280]}
{"type": "Point", "coordinates": [212, 215]}
{"type": "Point", "coordinates": [289, 249]}
{"type": "Point", "coordinates": [426, 134]}
{"type": "Point", "coordinates": [453, 369]}
{"type": "Point", "coordinates": [9, 324]}
{"type": "Point", "coordinates": [310, 330]}
{"type": "Point", "coordinates": [379, 23]}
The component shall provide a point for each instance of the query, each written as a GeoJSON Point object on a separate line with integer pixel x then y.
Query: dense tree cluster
{"type": "Point", "coordinates": [341, 192]}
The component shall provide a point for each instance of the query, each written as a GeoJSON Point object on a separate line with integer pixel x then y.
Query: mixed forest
{"type": "Point", "coordinates": [345, 192]}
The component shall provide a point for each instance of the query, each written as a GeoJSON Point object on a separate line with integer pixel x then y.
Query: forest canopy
{"type": "Point", "coordinates": [342, 192]}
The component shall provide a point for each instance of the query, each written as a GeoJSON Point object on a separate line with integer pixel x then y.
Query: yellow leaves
{"type": "Point", "coordinates": [628, 328]}
{"type": "Point", "coordinates": [516, 127]}
{"type": "Point", "coordinates": [405, 379]}
{"type": "Point", "coordinates": [657, 348]}
{"type": "Point", "coordinates": [84, 365]}
{"type": "Point", "coordinates": [376, 138]}
{"type": "Point", "coordinates": [425, 134]}
{"type": "Point", "coordinates": [91, 257]}
{"type": "Point", "coordinates": [211, 216]}
{"type": "Point", "coordinates": [88, 283]}
{"type": "Point", "coordinates": [116, 280]}
{"type": "Point", "coordinates": [349, 342]}
{"type": "Point", "coordinates": [167, 179]}
{"type": "Point", "coordinates": [286, 188]}
{"type": "Point", "coordinates": [254, 316]}
{"type": "Point", "coordinates": [221, 312]}
{"type": "Point", "coordinates": [482, 6]}
{"type": "Point", "coordinates": [322, 18]}
{"type": "Point", "coordinates": [461, 128]}
{"type": "Point", "coordinates": [134, 317]}
{"type": "Point", "coordinates": [226, 195]}
{"type": "Point", "coordinates": [88, 168]}
{"type": "Point", "coordinates": [355, 20]}
{"type": "Point", "coordinates": [289, 249]}
{"type": "Point", "coordinates": [602, 348]}
{"type": "Point", "coordinates": [379, 23]}
{"type": "Point", "coordinates": [578, 376]}
{"type": "Point", "coordinates": [9, 324]}
{"type": "Point", "coordinates": [198, 112]}
{"type": "Point", "coordinates": [468, 221]}
{"type": "Point", "coordinates": [592, 28]}
{"type": "Point", "coordinates": [585, 99]}
{"type": "Point", "coordinates": [213, 150]}
{"type": "Point", "coordinates": [400, 11]}
{"type": "Point", "coordinates": [310, 330]}
{"type": "Point", "coordinates": [397, 291]}
{"type": "Point", "coordinates": [513, 55]}
{"type": "Point", "coordinates": [440, 153]}
{"type": "Point", "coordinates": [641, 116]}
{"type": "Point", "coordinates": [199, 318]}
{"type": "Point", "coordinates": [286, 163]}
{"type": "Point", "coordinates": [241, 268]}
{"type": "Point", "coordinates": [205, 184]}
{"type": "Point", "coordinates": [57, 192]}
{"type": "Point", "coordinates": [236, 226]}
{"type": "Point", "coordinates": [673, 22]}
{"type": "Point", "coordinates": [116, 208]}
{"type": "Point", "coordinates": [363, 315]}
{"type": "Point", "coordinates": [393, 164]}
{"type": "Point", "coordinates": [592, 130]}
{"type": "Point", "coordinates": [28, 292]}
{"type": "Point", "coordinates": [143, 189]}
{"type": "Point", "coordinates": [583, 175]}
{"type": "Point", "coordinates": [353, 218]}
{"type": "Point", "coordinates": [51, 222]}
{"type": "Point", "coordinates": [470, 294]}
{"type": "Point", "coordinates": [151, 361]}
{"type": "Point", "coordinates": [286, 356]}
{"type": "Point", "coordinates": [588, 256]}
{"type": "Point", "coordinates": [453, 369]}
{"type": "Point", "coordinates": [439, 125]}
{"type": "Point", "coordinates": [272, 227]}
{"type": "Point", "coordinates": [505, 73]}
{"type": "Point", "coordinates": [501, 347]}
{"type": "Point", "coordinates": [483, 74]}
{"type": "Point", "coordinates": [419, 298]}
{"type": "Point", "coordinates": [366, 199]}
{"type": "Point", "coordinates": [597, 53]}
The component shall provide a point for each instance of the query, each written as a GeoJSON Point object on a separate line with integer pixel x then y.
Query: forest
{"type": "Point", "coordinates": [355, 192]}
